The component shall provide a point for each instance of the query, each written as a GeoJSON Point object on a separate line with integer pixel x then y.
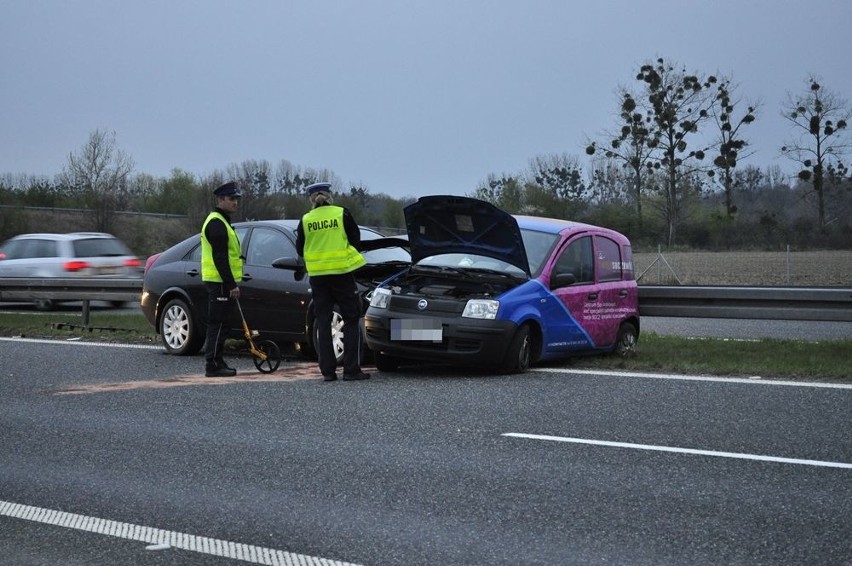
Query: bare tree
{"type": "Point", "coordinates": [819, 117]}
{"type": "Point", "coordinates": [730, 143]}
{"type": "Point", "coordinates": [504, 191]}
{"type": "Point", "coordinates": [254, 179]}
{"type": "Point", "coordinates": [610, 183]}
{"type": "Point", "coordinates": [561, 177]}
{"type": "Point", "coordinates": [633, 145]}
{"type": "Point", "coordinates": [677, 103]}
{"type": "Point", "coordinates": [291, 180]}
{"type": "Point", "coordinates": [99, 171]}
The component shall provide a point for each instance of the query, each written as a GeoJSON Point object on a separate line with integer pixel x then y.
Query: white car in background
{"type": "Point", "coordinates": [78, 254]}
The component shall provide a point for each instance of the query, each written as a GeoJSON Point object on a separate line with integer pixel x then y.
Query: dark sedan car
{"type": "Point", "coordinates": [275, 299]}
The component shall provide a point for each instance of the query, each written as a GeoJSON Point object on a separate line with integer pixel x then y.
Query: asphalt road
{"type": "Point", "coordinates": [128, 447]}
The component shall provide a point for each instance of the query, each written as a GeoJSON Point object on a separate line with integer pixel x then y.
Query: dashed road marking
{"type": "Point", "coordinates": [159, 539]}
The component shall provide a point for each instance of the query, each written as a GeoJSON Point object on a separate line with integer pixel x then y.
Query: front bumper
{"type": "Point", "coordinates": [464, 341]}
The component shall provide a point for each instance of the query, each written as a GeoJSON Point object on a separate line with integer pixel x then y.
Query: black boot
{"type": "Point", "coordinates": [219, 369]}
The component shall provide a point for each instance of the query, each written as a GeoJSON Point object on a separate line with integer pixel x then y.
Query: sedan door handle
{"type": "Point", "coordinates": [246, 277]}
{"type": "Point", "coordinates": [623, 293]}
{"type": "Point", "coordinates": [192, 272]}
{"type": "Point", "coordinates": [593, 296]}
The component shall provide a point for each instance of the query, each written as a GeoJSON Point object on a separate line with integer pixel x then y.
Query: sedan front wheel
{"type": "Point", "coordinates": [336, 336]}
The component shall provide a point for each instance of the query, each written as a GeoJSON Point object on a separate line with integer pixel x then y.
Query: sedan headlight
{"type": "Point", "coordinates": [481, 308]}
{"type": "Point", "coordinates": [381, 298]}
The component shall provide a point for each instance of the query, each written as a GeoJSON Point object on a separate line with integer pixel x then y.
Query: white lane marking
{"type": "Point", "coordinates": [75, 343]}
{"type": "Point", "coordinates": [158, 539]}
{"type": "Point", "coordinates": [680, 450]}
{"type": "Point", "coordinates": [750, 380]}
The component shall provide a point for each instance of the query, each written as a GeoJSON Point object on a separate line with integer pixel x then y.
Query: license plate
{"type": "Point", "coordinates": [110, 270]}
{"type": "Point", "coordinates": [419, 329]}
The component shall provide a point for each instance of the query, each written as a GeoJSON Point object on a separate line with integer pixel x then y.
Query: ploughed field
{"type": "Point", "coordinates": [796, 269]}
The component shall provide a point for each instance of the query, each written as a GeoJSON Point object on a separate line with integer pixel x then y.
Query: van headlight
{"type": "Point", "coordinates": [481, 308]}
{"type": "Point", "coordinates": [381, 298]}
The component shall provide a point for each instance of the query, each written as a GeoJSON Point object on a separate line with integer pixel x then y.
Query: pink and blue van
{"type": "Point", "coordinates": [489, 289]}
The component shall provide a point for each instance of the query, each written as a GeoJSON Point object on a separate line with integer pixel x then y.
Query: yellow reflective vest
{"type": "Point", "coordinates": [327, 249]}
{"type": "Point", "coordinates": [208, 268]}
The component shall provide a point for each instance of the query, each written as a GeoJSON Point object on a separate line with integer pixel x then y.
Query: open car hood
{"type": "Point", "coordinates": [450, 224]}
{"type": "Point", "coordinates": [382, 266]}
{"type": "Point", "coordinates": [379, 243]}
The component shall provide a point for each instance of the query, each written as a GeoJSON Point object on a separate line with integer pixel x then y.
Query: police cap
{"type": "Point", "coordinates": [319, 187]}
{"type": "Point", "coordinates": [229, 189]}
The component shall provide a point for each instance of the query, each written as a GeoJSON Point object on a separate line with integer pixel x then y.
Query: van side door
{"type": "Point", "coordinates": [588, 280]}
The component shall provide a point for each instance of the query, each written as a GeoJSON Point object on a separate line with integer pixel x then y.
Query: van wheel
{"type": "Point", "coordinates": [519, 356]}
{"type": "Point", "coordinates": [626, 344]}
{"type": "Point", "coordinates": [385, 363]}
{"type": "Point", "coordinates": [179, 331]}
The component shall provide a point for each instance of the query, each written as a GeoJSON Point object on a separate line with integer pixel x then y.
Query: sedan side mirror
{"type": "Point", "coordinates": [296, 264]}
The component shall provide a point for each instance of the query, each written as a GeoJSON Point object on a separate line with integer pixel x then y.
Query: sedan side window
{"type": "Point", "coordinates": [38, 249]}
{"type": "Point", "coordinates": [195, 253]}
{"type": "Point", "coordinates": [14, 249]}
{"type": "Point", "coordinates": [576, 259]}
{"type": "Point", "coordinates": [266, 245]}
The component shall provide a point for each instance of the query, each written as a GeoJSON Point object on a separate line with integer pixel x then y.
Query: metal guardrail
{"type": "Point", "coordinates": [762, 303]}
{"type": "Point", "coordinates": [768, 303]}
{"type": "Point", "coordinates": [71, 289]}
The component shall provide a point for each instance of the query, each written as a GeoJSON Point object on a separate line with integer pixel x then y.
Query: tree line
{"type": "Point", "coordinates": [671, 170]}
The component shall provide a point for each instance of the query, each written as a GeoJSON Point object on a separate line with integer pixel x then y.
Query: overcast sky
{"type": "Point", "coordinates": [406, 97]}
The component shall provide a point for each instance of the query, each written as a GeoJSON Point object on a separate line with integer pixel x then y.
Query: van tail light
{"type": "Point", "coordinates": [132, 262]}
{"type": "Point", "coordinates": [74, 266]}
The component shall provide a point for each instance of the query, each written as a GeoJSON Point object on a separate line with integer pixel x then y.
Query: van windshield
{"type": "Point", "coordinates": [538, 246]}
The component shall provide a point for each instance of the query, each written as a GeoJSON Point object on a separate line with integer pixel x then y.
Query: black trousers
{"type": "Point", "coordinates": [340, 290]}
{"type": "Point", "coordinates": [219, 309]}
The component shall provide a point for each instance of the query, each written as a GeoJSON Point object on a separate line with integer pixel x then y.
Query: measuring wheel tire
{"type": "Point", "coordinates": [273, 357]}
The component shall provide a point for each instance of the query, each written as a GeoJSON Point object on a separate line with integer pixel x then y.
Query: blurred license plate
{"type": "Point", "coordinates": [111, 270]}
{"type": "Point", "coordinates": [423, 329]}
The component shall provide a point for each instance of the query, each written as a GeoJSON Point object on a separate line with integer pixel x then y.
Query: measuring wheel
{"type": "Point", "coordinates": [273, 357]}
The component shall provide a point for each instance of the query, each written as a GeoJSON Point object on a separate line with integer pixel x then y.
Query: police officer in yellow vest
{"type": "Point", "coordinates": [328, 238]}
{"type": "Point", "coordinates": [221, 271]}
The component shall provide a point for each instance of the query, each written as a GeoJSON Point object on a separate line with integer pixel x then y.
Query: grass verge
{"type": "Point", "coordinates": [110, 327]}
{"type": "Point", "coordinates": [742, 358]}
{"type": "Point", "coordinates": [827, 360]}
